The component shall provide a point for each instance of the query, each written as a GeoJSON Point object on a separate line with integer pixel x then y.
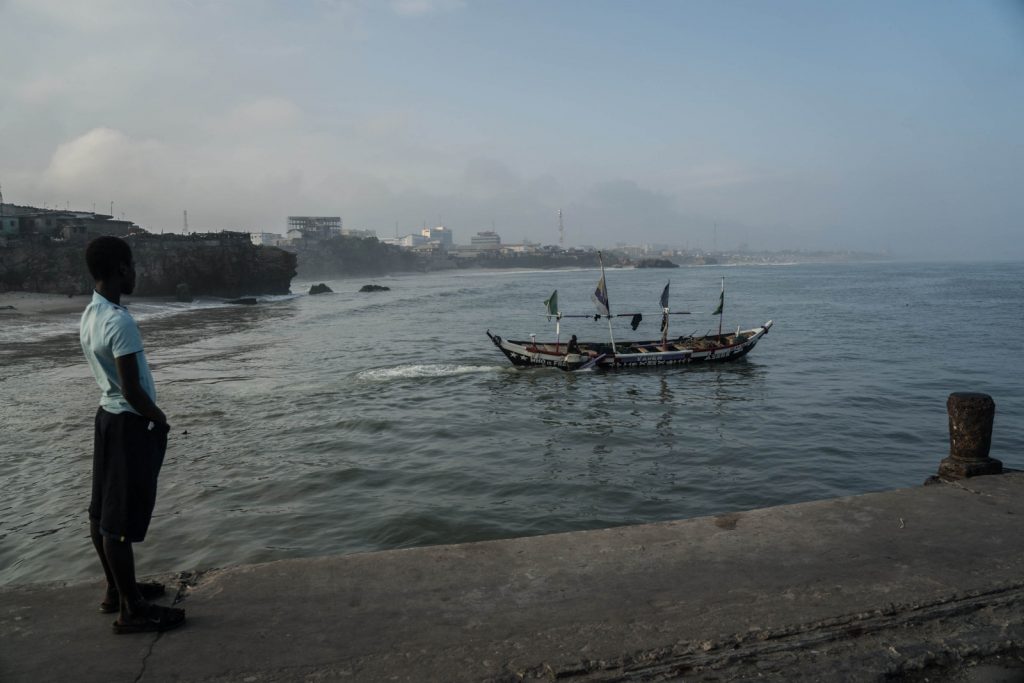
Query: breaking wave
{"type": "Point", "coordinates": [419, 370]}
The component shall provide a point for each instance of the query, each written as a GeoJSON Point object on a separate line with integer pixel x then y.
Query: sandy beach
{"type": "Point", "coordinates": [32, 303]}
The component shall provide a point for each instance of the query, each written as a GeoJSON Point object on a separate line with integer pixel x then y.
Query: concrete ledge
{"type": "Point", "coordinates": [894, 583]}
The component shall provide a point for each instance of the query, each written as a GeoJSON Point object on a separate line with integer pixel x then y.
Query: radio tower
{"type": "Point", "coordinates": [561, 231]}
{"type": "Point", "coordinates": [186, 221]}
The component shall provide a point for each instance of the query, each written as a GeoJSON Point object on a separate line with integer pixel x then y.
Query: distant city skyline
{"type": "Point", "coordinates": [790, 125]}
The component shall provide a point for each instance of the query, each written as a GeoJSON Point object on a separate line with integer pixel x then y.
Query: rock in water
{"type": "Point", "coordinates": [656, 263]}
{"type": "Point", "coordinates": [374, 288]}
{"type": "Point", "coordinates": [183, 293]}
{"type": "Point", "coordinates": [244, 301]}
{"type": "Point", "coordinates": [320, 289]}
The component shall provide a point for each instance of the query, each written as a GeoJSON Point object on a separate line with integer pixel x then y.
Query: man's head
{"type": "Point", "coordinates": [110, 258]}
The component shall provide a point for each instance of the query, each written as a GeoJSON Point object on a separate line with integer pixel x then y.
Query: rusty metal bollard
{"type": "Point", "coordinates": [970, 436]}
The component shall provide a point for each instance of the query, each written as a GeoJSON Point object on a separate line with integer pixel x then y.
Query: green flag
{"type": "Point", "coordinates": [721, 300]}
{"type": "Point", "coordinates": [552, 303]}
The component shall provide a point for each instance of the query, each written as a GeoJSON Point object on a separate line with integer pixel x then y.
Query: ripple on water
{"type": "Point", "coordinates": [307, 435]}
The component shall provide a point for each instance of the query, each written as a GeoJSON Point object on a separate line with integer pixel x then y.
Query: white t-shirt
{"type": "Point", "coordinates": [108, 331]}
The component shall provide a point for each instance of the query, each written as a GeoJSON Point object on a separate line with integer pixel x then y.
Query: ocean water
{"type": "Point", "coordinates": [353, 422]}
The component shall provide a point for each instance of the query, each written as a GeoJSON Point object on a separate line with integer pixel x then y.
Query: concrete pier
{"type": "Point", "coordinates": [922, 583]}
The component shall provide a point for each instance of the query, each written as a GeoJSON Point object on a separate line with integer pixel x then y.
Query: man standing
{"type": "Point", "coordinates": [129, 443]}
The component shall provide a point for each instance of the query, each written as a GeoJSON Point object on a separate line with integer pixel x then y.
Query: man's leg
{"type": "Point", "coordinates": [99, 475]}
{"type": "Point", "coordinates": [134, 458]}
{"type": "Point", "coordinates": [137, 615]}
{"type": "Point", "coordinates": [97, 543]}
{"type": "Point", "coordinates": [120, 564]}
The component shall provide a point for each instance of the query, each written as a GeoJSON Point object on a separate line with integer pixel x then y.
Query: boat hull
{"type": "Point", "coordinates": [630, 355]}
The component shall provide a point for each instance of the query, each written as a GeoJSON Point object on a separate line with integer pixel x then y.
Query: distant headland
{"type": "Point", "coordinates": [41, 251]}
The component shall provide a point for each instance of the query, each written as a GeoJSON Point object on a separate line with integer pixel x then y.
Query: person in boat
{"type": "Point", "coordinates": [130, 439]}
{"type": "Point", "coordinates": [574, 346]}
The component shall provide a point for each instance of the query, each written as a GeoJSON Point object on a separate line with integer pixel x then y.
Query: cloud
{"type": "Point", "coordinates": [719, 174]}
{"type": "Point", "coordinates": [101, 153]}
{"type": "Point", "coordinates": [489, 178]}
{"type": "Point", "coordinates": [266, 113]}
{"type": "Point", "coordinates": [415, 8]}
{"type": "Point", "coordinates": [41, 90]}
{"type": "Point", "coordinates": [90, 15]}
{"type": "Point", "coordinates": [385, 125]}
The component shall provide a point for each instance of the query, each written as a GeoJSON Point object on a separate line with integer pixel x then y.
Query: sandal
{"type": "Point", "coordinates": [150, 590]}
{"type": "Point", "coordinates": [158, 619]}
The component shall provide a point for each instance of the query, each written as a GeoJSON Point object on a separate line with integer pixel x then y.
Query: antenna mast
{"type": "Point", "coordinates": [186, 221]}
{"type": "Point", "coordinates": [561, 231]}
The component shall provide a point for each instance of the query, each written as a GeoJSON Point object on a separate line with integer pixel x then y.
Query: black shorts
{"type": "Point", "coordinates": [126, 461]}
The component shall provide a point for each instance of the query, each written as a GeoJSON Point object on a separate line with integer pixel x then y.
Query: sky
{"type": "Point", "coordinates": [870, 126]}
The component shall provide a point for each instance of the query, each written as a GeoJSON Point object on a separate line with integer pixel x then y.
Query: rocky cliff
{"type": "Point", "coordinates": [347, 256]}
{"type": "Point", "coordinates": [220, 264]}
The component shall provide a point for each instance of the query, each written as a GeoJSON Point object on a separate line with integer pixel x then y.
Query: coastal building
{"type": "Point", "coordinates": [519, 249]}
{"type": "Point", "coordinates": [631, 250]}
{"type": "Point", "coordinates": [317, 227]}
{"type": "Point", "coordinates": [362, 234]}
{"type": "Point", "coordinates": [463, 251]}
{"type": "Point", "coordinates": [408, 241]}
{"type": "Point", "coordinates": [485, 241]}
{"type": "Point", "coordinates": [265, 239]}
{"type": "Point", "coordinates": [29, 221]}
{"type": "Point", "coordinates": [430, 250]}
{"type": "Point", "coordinates": [439, 235]}
{"type": "Point", "coordinates": [8, 225]}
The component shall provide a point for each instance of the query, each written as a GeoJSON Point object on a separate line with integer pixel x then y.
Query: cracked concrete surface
{"type": "Point", "coordinates": [925, 582]}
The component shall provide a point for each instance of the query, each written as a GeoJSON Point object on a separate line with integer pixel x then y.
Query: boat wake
{"type": "Point", "coordinates": [417, 371]}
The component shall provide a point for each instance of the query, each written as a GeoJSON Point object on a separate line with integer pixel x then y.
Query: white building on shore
{"type": "Point", "coordinates": [265, 239]}
{"type": "Point", "coordinates": [485, 241]}
{"type": "Point", "coordinates": [439, 235]}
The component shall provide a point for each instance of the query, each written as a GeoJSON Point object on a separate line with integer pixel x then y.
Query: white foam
{"type": "Point", "coordinates": [417, 371]}
{"type": "Point", "coordinates": [15, 331]}
{"type": "Point", "coordinates": [31, 329]}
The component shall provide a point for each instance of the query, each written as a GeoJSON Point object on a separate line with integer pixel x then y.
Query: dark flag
{"type": "Point", "coordinates": [600, 297]}
{"type": "Point", "coordinates": [664, 295]}
{"type": "Point", "coordinates": [721, 300]}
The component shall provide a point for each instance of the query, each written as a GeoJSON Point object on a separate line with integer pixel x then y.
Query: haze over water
{"type": "Point", "coordinates": [787, 125]}
{"type": "Point", "coordinates": [354, 422]}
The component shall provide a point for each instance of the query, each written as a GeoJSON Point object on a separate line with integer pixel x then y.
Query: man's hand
{"type": "Point", "coordinates": [131, 389]}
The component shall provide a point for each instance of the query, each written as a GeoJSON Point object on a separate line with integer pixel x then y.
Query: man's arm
{"type": "Point", "coordinates": [131, 388]}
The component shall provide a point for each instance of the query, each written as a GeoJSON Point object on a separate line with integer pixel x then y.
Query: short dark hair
{"type": "Point", "coordinates": [105, 254]}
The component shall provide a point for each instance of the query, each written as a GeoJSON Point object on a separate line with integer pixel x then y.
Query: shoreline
{"type": "Point", "coordinates": [912, 583]}
{"type": "Point", "coordinates": [38, 304]}
{"type": "Point", "coordinates": [42, 305]}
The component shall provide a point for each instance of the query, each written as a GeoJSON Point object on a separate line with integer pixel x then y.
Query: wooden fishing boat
{"type": "Point", "coordinates": [712, 348]}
